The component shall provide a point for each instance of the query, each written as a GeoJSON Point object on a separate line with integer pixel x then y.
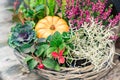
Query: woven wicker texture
{"type": "Point", "coordinates": [83, 73]}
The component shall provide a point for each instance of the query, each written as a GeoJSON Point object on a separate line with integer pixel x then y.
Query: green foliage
{"type": "Point", "coordinates": [63, 8]}
{"type": "Point", "coordinates": [41, 51]}
{"type": "Point", "coordinates": [50, 50]}
{"type": "Point", "coordinates": [118, 34]}
{"type": "Point", "coordinates": [66, 36]}
{"type": "Point", "coordinates": [54, 43]}
{"type": "Point", "coordinates": [56, 39]}
{"type": "Point", "coordinates": [28, 58]}
{"type": "Point", "coordinates": [51, 5]}
{"type": "Point", "coordinates": [62, 46]}
{"type": "Point", "coordinates": [51, 64]}
{"type": "Point", "coordinates": [32, 64]}
{"type": "Point", "coordinates": [34, 10]}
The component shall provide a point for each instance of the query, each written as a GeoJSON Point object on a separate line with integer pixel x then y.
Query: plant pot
{"type": "Point", "coordinates": [74, 73]}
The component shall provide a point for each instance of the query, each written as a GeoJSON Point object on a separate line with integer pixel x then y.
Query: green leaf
{"type": "Point", "coordinates": [40, 1]}
{"type": "Point", "coordinates": [41, 50]}
{"type": "Point", "coordinates": [66, 52]}
{"type": "Point", "coordinates": [119, 34]}
{"type": "Point", "coordinates": [28, 58]}
{"type": "Point", "coordinates": [47, 11]}
{"type": "Point", "coordinates": [26, 2]}
{"type": "Point", "coordinates": [66, 36]}
{"type": "Point", "coordinates": [29, 13]}
{"type": "Point", "coordinates": [27, 45]}
{"type": "Point", "coordinates": [32, 64]}
{"type": "Point", "coordinates": [111, 16]}
{"type": "Point", "coordinates": [50, 50]}
{"type": "Point", "coordinates": [32, 3]}
{"type": "Point", "coordinates": [51, 64]}
{"type": "Point", "coordinates": [63, 7]}
{"type": "Point", "coordinates": [21, 7]}
{"type": "Point", "coordinates": [32, 49]}
{"type": "Point", "coordinates": [26, 48]}
{"type": "Point", "coordinates": [39, 7]}
{"type": "Point", "coordinates": [49, 38]}
{"type": "Point", "coordinates": [95, 14]}
{"type": "Point", "coordinates": [56, 39]}
{"type": "Point", "coordinates": [39, 12]}
{"type": "Point", "coordinates": [62, 46]}
{"type": "Point", "coordinates": [51, 6]}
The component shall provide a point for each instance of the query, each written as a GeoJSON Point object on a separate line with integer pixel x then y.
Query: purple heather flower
{"type": "Point", "coordinates": [96, 19]}
{"type": "Point", "coordinates": [59, 2]}
{"type": "Point", "coordinates": [98, 7]}
{"type": "Point", "coordinates": [106, 14]}
{"type": "Point", "coordinates": [15, 4]}
{"type": "Point", "coordinates": [115, 20]}
{"type": "Point", "coordinates": [87, 13]}
{"type": "Point", "coordinates": [79, 11]}
{"type": "Point", "coordinates": [114, 37]}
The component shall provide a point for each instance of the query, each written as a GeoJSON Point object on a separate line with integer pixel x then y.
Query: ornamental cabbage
{"type": "Point", "coordinates": [22, 36]}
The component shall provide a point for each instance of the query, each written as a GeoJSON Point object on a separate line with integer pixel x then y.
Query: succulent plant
{"type": "Point", "coordinates": [22, 36]}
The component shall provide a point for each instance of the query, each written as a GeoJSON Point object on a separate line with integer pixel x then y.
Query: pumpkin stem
{"type": "Point", "coordinates": [52, 27]}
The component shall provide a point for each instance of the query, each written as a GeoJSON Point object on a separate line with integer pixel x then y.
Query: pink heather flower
{"type": "Point", "coordinates": [93, 7]}
{"type": "Point", "coordinates": [114, 37]}
{"type": "Point", "coordinates": [115, 21]}
{"type": "Point", "coordinates": [59, 2]}
{"type": "Point", "coordinates": [79, 11]}
{"type": "Point", "coordinates": [106, 14]}
{"type": "Point", "coordinates": [96, 19]}
{"type": "Point", "coordinates": [83, 3]}
{"type": "Point", "coordinates": [87, 16]}
{"type": "Point", "coordinates": [15, 4]}
{"type": "Point", "coordinates": [87, 12]}
{"type": "Point", "coordinates": [99, 6]}
{"type": "Point", "coordinates": [89, 2]}
{"type": "Point", "coordinates": [79, 22]}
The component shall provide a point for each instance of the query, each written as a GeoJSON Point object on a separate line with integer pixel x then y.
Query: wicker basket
{"type": "Point", "coordinates": [84, 73]}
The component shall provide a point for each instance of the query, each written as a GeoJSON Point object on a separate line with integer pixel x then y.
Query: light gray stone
{"type": "Point", "coordinates": [11, 69]}
{"type": "Point", "coordinates": [5, 24]}
{"type": "Point", "coordinates": [5, 16]}
{"type": "Point", "coordinates": [4, 31]}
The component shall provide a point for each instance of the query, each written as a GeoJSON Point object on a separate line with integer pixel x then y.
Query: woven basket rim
{"type": "Point", "coordinates": [67, 73]}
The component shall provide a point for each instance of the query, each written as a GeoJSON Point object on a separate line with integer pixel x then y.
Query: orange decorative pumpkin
{"type": "Point", "coordinates": [49, 25]}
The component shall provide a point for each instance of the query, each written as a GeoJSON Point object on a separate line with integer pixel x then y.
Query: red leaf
{"type": "Point", "coordinates": [61, 59]}
{"type": "Point", "coordinates": [55, 54]}
{"type": "Point", "coordinates": [61, 52]}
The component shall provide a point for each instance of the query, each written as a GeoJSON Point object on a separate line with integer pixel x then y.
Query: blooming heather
{"type": "Point", "coordinates": [59, 2]}
{"type": "Point", "coordinates": [80, 11]}
{"type": "Point", "coordinates": [115, 20]}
